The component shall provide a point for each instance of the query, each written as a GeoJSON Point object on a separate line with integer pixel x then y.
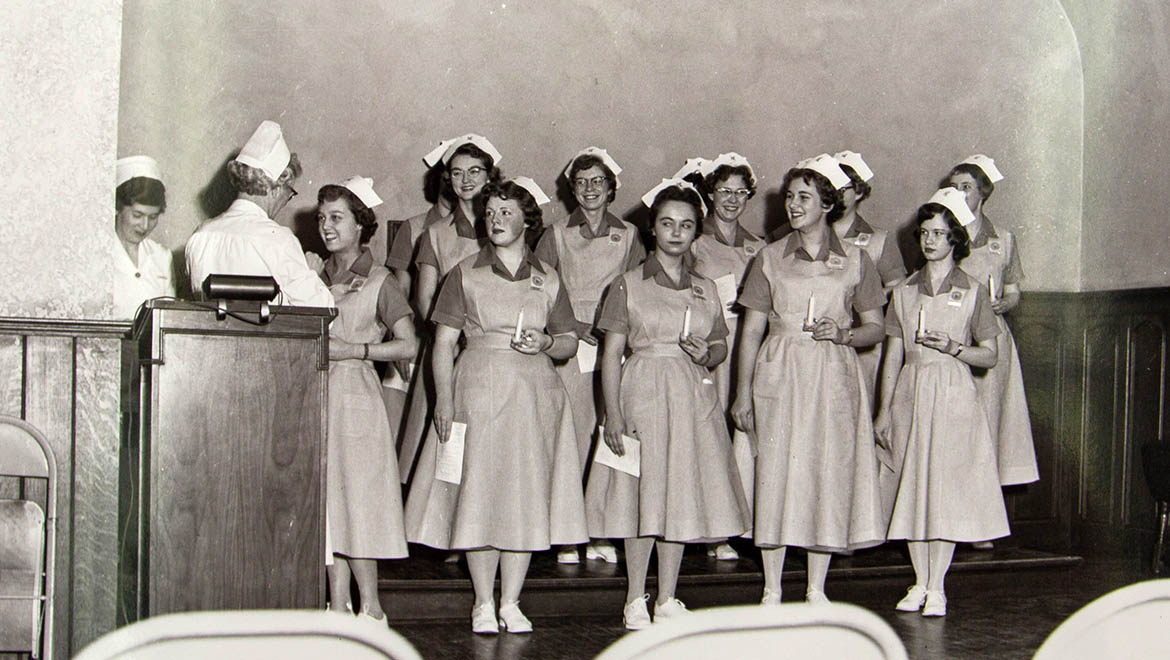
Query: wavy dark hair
{"type": "Point", "coordinates": [678, 194]}
{"type": "Point", "coordinates": [469, 149]}
{"type": "Point", "coordinates": [584, 162]}
{"type": "Point", "coordinates": [533, 216]}
{"type": "Point", "coordinates": [986, 187]}
{"type": "Point", "coordinates": [362, 214]}
{"type": "Point", "coordinates": [957, 237]}
{"type": "Point", "coordinates": [860, 185]}
{"type": "Point", "coordinates": [725, 172]}
{"type": "Point", "coordinates": [141, 190]}
{"type": "Point", "coordinates": [828, 193]}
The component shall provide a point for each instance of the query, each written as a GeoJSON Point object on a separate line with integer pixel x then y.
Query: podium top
{"type": "Point", "coordinates": [233, 312]}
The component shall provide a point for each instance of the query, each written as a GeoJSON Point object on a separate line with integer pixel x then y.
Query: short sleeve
{"type": "Point", "coordinates": [392, 305]}
{"type": "Point", "coordinates": [615, 313]}
{"type": "Point", "coordinates": [868, 294]}
{"type": "Point", "coordinates": [560, 317]}
{"type": "Point", "coordinates": [984, 325]}
{"type": "Point", "coordinates": [450, 305]}
{"type": "Point", "coordinates": [1014, 272]}
{"type": "Point", "coordinates": [425, 254]}
{"type": "Point", "coordinates": [636, 253]}
{"type": "Point", "coordinates": [757, 291]}
{"type": "Point", "coordinates": [546, 248]}
{"type": "Point", "coordinates": [402, 249]}
{"type": "Point", "coordinates": [893, 321]}
{"type": "Point", "coordinates": [890, 266]}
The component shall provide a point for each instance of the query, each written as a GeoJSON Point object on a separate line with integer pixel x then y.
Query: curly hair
{"type": "Point", "coordinates": [141, 190]}
{"type": "Point", "coordinates": [678, 194]}
{"type": "Point", "coordinates": [584, 162]}
{"type": "Point", "coordinates": [362, 214]}
{"type": "Point", "coordinates": [725, 172]}
{"type": "Point", "coordinates": [860, 185]}
{"type": "Point", "coordinates": [254, 181]}
{"type": "Point", "coordinates": [829, 194]}
{"type": "Point", "coordinates": [469, 149]}
{"type": "Point", "coordinates": [986, 187]}
{"type": "Point", "coordinates": [533, 216]}
{"type": "Point", "coordinates": [957, 236]}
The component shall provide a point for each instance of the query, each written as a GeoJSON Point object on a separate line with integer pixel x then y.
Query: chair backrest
{"type": "Point", "coordinates": [286, 634]}
{"type": "Point", "coordinates": [837, 630]}
{"type": "Point", "coordinates": [23, 450]}
{"type": "Point", "coordinates": [1130, 622]}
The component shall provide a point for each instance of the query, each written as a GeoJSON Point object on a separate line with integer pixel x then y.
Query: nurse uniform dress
{"type": "Point", "coordinates": [882, 247]}
{"type": "Point", "coordinates": [1002, 387]}
{"type": "Point", "coordinates": [521, 482]}
{"type": "Point", "coordinates": [945, 484]}
{"type": "Point", "coordinates": [441, 245]}
{"type": "Point", "coordinates": [153, 277]}
{"type": "Point", "coordinates": [689, 488]}
{"type": "Point", "coordinates": [587, 263]}
{"type": "Point", "coordinates": [364, 501]}
{"type": "Point", "coordinates": [817, 467]}
{"type": "Point", "coordinates": [725, 260]}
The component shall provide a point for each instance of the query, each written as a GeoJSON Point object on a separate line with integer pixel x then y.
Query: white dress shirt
{"type": "Point", "coordinates": [151, 278]}
{"type": "Point", "coordinates": [244, 241]}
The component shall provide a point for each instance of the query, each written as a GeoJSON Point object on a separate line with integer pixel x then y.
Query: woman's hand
{"type": "Point", "coordinates": [742, 415]}
{"type": "Point", "coordinates": [615, 426]}
{"type": "Point", "coordinates": [882, 428]}
{"type": "Point", "coordinates": [939, 341]}
{"type": "Point", "coordinates": [316, 263]}
{"type": "Point", "coordinates": [826, 330]}
{"type": "Point", "coordinates": [531, 342]}
{"type": "Point", "coordinates": [696, 348]}
{"type": "Point", "coordinates": [443, 415]}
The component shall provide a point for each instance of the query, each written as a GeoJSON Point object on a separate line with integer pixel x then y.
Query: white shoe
{"type": "Point", "coordinates": [722, 552]}
{"type": "Point", "coordinates": [936, 604]}
{"type": "Point", "coordinates": [983, 545]}
{"type": "Point", "coordinates": [451, 558]}
{"type": "Point", "coordinates": [602, 550]}
{"type": "Point", "coordinates": [512, 619]}
{"type": "Point", "coordinates": [483, 619]}
{"type": "Point", "coordinates": [816, 597]}
{"type": "Point", "coordinates": [635, 616]}
{"type": "Point", "coordinates": [365, 617]}
{"type": "Point", "coordinates": [670, 609]}
{"type": "Point", "coordinates": [770, 597]}
{"type": "Point", "coordinates": [568, 555]}
{"type": "Point", "coordinates": [913, 600]}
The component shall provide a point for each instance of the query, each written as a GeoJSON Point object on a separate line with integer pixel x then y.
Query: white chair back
{"type": "Point", "coordinates": [1131, 622]}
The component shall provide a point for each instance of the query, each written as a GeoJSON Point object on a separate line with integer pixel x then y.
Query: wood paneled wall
{"type": "Point", "coordinates": [1095, 370]}
{"type": "Point", "coordinates": [63, 377]}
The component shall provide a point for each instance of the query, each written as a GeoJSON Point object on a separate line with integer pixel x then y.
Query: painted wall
{"type": "Point", "coordinates": [369, 87]}
{"type": "Point", "coordinates": [1125, 46]}
{"type": "Point", "coordinates": [57, 140]}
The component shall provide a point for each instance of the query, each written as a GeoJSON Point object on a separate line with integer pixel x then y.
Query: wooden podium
{"type": "Point", "coordinates": [222, 493]}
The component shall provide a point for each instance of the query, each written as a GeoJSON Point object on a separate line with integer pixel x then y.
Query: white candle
{"type": "Point", "coordinates": [812, 307]}
{"type": "Point", "coordinates": [921, 320]}
{"type": "Point", "coordinates": [687, 322]}
{"type": "Point", "coordinates": [519, 325]}
{"type": "Point", "coordinates": [991, 286]}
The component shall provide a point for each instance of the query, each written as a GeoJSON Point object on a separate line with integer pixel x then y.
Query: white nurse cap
{"type": "Point", "coordinates": [602, 155]}
{"type": "Point", "coordinates": [986, 164]}
{"type": "Point", "coordinates": [266, 150]}
{"type": "Point", "coordinates": [731, 159]}
{"type": "Point", "coordinates": [853, 159]}
{"type": "Point", "coordinates": [648, 198]}
{"type": "Point", "coordinates": [696, 165]}
{"type": "Point", "coordinates": [135, 166]}
{"type": "Point", "coordinates": [363, 187]}
{"type": "Point", "coordinates": [446, 149]}
{"type": "Point", "coordinates": [533, 189]}
{"type": "Point", "coordinates": [828, 167]}
{"type": "Point", "coordinates": [955, 202]}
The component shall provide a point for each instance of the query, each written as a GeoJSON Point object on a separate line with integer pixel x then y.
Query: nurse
{"type": "Point", "coordinates": [589, 250]}
{"type": "Point", "coordinates": [801, 392]}
{"type": "Point", "coordinates": [365, 508]}
{"type": "Point", "coordinates": [688, 489]}
{"type": "Point", "coordinates": [518, 489]}
{"type": "Point", "coordinates": [881, 245]}
{"type": "Point", "coordinates": [944, 480]}
{"type": "Point", "coordinates": [470, 161]}
{"type": "Point", "coordinates": [245, 240]}
{"type": "Point", "coordinates": [723, 252]}
{"type": "Point", "coordinates": [143, 269]}
{"type": "Point", "coordinates": [995, 262]}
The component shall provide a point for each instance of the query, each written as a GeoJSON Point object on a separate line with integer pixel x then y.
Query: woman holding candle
{"type": "Point", "coordinates": [944, 483]}
{"type": "Point", "coordinates": [801, 391]}
{"type": "Point", "coordinates": [520, 488]}
{"type": "Point", "coordinates": [365, 508]}
{"type": "Point", "coordinates": [688, 490]}
{"type": "Point", "coordinates": [995, 262]}
{"type": "Point", "coordinates": [589, 250]}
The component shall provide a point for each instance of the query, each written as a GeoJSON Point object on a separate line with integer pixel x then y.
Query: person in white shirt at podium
{"type": "Point", "coordinates": [143, 269]}
{"type": "Point", "coordinates": [245, 240]}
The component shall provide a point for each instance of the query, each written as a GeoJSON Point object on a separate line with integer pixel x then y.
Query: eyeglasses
{"type": "Point", "coordinates": [740, 193]}
{"type": "Point", "coordinates": [585, 184]}
{"type": "Point", "coordinates": [934, 233]}
{"type": "Point", "coordinates": [469, 173]}
{"type": "Point", "coordinates": [292, 192]}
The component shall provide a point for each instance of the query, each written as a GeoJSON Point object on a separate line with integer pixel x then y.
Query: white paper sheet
{"type": "Point", "coordinates": [586, 356]}
{"type": "Point", "coordinates": [630, 462]}
{"type": "Point", "coordinates": [725, 288]}
{"type": "Point", "coordinates": [449, 462]}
